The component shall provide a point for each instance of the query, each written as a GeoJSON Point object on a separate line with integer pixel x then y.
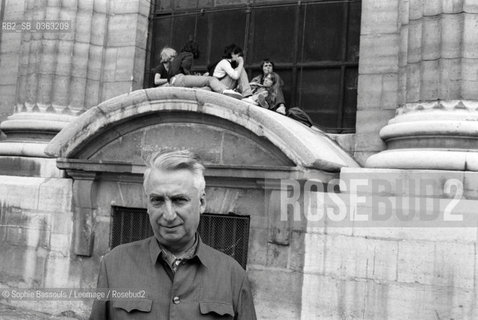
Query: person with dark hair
{"type": "Point", "coordinates": [184, 60]}
{"type": "Point", "coordinates": [265, 93]}
{"type": "Point", "coordinates": [274, 99]}
{"type": "Point", "coordinates": [233, 76]}
{"type": "Point", "coordinates": [278, 101]}
{"type": "Point", "coordinates": [193, 47]}
{"type": "Point", "coordinates": [177, 275]}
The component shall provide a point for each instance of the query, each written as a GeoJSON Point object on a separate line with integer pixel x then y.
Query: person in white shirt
{"type": "Point", "coordinates": [175, 70]}
{"type": "Point", "coordinates": [230, 70]}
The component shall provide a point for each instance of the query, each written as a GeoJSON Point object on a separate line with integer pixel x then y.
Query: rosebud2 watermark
{"type": "Point", "coordinates": [378, 203]}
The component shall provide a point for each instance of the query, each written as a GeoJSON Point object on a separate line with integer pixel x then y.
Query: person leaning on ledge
{"type": "Point", "coordinates": [176, 274]}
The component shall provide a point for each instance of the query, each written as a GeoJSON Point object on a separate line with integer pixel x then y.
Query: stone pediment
{"type": "Point", "coordinates": [222, 130]}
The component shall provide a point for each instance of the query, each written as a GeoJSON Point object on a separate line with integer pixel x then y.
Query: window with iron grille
{"type": "Point", "coordinates": [313, 43]}
{"type": "Point", "coordinates": [226, 233]}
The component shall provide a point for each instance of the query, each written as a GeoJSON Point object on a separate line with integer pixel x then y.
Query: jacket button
{"type": "Point", "coordinates": [176, 300]}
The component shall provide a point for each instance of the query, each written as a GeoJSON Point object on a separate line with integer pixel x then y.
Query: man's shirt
{"type": "Point", "coordinates": [210, 285]}
{"type": "Point", "coordinates": [173, 261]}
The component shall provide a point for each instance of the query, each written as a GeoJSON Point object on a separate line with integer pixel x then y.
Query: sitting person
{"type": "Point", "coordinates": [180, 74]}
{"type": "Point", "coordinates": [183, 62]}
{"type": "Point", "coordinates": [234, 77]}
{"type": "Point", "coordinates": [265, 94]}
{"type": "Point", "coordinates": [161, 71]}
{"type": "Point", "coordinates": [267, 67]}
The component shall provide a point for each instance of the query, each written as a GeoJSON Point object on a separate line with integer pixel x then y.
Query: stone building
{"type": "Point", "coordinates": [393, 84]}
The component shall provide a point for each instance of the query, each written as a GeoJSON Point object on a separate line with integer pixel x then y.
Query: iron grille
{"type": "Point", "coordinates": [226, 233]}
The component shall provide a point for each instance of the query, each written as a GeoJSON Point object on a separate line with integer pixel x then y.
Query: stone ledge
{"type": "Point", "coordinates": [27, 133]}
{"type": "Point", "coordinates": [23, 149]}
{"type": "Point", "coordinates": [444, 128]}
{"type": "Point", "coordinates": [402, 182]}
{"type": "Point", "coordinates": [446, 105]}
{"type": "Point", "coordinates": [423, 159]}
{"type": "Point", "coordinates": [28, 166]}
{"type": "Point", "coordinates": [41, 194]}
{"type": "Point", "coordinates": [307, 148]}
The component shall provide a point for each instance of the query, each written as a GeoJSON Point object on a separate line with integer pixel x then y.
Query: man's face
{"type": "Point", "coordinates": [174, 207]}
{"type": "Point", "coordinates": [267, 68]}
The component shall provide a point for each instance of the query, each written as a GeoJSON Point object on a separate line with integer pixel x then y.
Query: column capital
{"type": "Point", "coordinates": [443, 105]}
{"type": "Point", "coordinates": [436, 120]}
{"type": "Point", "coordinates": [28, 133]}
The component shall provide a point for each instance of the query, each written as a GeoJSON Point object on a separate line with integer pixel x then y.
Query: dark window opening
{"type": "Point", "coordinates": [226, 233]}
{"type": "Point", "coordinates": [314, 45]}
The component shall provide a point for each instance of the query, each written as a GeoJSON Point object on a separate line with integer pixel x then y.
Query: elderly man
{"type": "Point", "coordinates": [176, 274]}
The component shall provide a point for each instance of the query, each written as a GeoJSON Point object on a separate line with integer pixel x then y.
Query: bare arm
{"type": "Point", "coordinates": [230, 71]}
{"type": "Point", "coordinates": [158, 80]}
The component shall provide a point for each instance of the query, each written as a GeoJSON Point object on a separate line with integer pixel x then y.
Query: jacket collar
{"type": "Point", "coordinates": [204, 253]}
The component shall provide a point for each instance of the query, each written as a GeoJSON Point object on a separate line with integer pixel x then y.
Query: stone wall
{"type": "Point", "coordinates": [45, 77]}
{"type": "Point", "coordinates": [396, 268]}
{"type": "Point", "coordinates": [9, 58]}
{"type": "Point", "coordinates": [102, 56]}
{"type": "Point", "coordinates": [378, 74]}
{"type": "Point", "coordinates": [244, 148]}
{"type": "Point", "coordinates": [298, 271]}
{"type": "Point", "coordinates": [416, 53]}
{"type": "Point", "coordinates": [36, 221]}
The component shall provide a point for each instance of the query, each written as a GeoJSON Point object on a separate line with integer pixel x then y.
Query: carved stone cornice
{"type": "Point", "coordinates": [441, 135]}
{"type": "Point", "coordinates": [438, 105]}
{"type": "Point", "coordinates": [48, 108]}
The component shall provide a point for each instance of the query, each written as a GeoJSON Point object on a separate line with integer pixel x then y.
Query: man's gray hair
{"type": "Point", "coordinates": [177, 160]}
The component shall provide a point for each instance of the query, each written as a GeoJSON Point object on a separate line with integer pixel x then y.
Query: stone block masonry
{"type": "Point", "coordinates": [35, 223]}
{"type": "Point", "coordinates": [370, 272]}
{"type": "Point", "coordinates": [67, 73]}
{"type": "Point", "coordinates": [378, 84]}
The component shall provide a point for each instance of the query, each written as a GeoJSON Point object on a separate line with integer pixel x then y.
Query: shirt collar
{"type": "Point", "coordinates": [171, 258]}
{"type": "Point", "coordinates": [203, 252]}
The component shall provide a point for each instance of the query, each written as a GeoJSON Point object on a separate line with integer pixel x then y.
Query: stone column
{"type": "Point", "coordinates": [436, 120]}
{"type": "Point", "coordinates": [62, 74]}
